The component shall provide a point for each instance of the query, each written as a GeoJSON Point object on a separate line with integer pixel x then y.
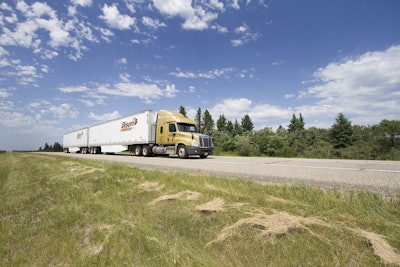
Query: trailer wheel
{"type": "Point", "coordinates": [138, 150]}
{"type": "Point", "coordinates": [182, 152]}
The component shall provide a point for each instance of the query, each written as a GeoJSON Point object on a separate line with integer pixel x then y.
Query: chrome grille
{"type": "Point", "coordinates": [205, 141]}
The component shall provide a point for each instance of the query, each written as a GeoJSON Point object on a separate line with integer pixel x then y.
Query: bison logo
{"type": "Point", "coordinates": [128, 125]}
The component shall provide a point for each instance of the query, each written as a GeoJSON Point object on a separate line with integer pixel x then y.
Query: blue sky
{"type": "Point", "coordinates": [69, 64]}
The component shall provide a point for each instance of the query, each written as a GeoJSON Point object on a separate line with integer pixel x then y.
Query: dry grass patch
{"type": "Point", "coordinates": [277, 199]}
{"type": "Point", "coordinates": [95, 237]}
{"type": "Point", "coordinates": [78, 170]}
{"type": "Point", "coordinates": [270, 225]}
{"type": "Point", "coordinates": [214, 205]}
{"type": "Point", "coordinates": [381, 247]}
{"type": "Point", "coordinates": [184, 195]}
{"type": "Point", "coordinates": [150, 186]}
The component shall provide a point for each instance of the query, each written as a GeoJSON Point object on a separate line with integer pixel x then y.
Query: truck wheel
{"type": "Point", "coordinates": [146, 151]}
{"type": "Point", "coordinates": [138, 150]}
{"type": "Point", "coordinates": [182, 152]}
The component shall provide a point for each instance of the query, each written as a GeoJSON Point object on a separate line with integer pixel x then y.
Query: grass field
{"type": "Point", "coordinates": [71, 212]}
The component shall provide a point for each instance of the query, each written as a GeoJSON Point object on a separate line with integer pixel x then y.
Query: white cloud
{"type": "Point", "coordinates": [6, 105]}
{"type": "Point", "coordinates": [191, 90]}
{"type": "Point", "coordinates": [141, 90]}
{"type": "Point", "coordinates": [106, 34]}
{"type": "Point", "coordinates": [38, 19]}
{"type": "Point", "coordinates": [87, 103]}
{"type": "Point", "coordinates": [4, 93]}
{"type": "Point", "coordinates": [24, 74]}
{"type": "Point", "coordinates": [233, 107]}
{"type": "Point", "coordinates": [365, 88]}
{"type": "Point", "coordinates": [73, 89]}
{"type": "Point", "coordinates": [130, 5]}
{"type": "Point", "coordinates": [104, 117]}
{"type": "Point", "coordinates": [135, 41]}
{"type": "Point", "coordinates": [211, 74]}
{"type": "Point", "coordinates": [170, 91]}
{"type": "Point", "coordinates": [44, 111]}
{"type": "Point", "coordinates": [148, 92]}
{"type": "Point", "coordinates": [82, 2]}
{"type": "Point", "coordinates": [287, 96]}
{"type": "Point", "coordinates": [152, 23]}
{"type": "Point", "coordinates": [15, 119]}
{"type": "Point", "coordinates": [235, 4]}
{"type": "Point", "coordinates": [262, 115]}
{"type": "Point", "coordinates": [219, 28]}
{"type": "Point", "coordinates": [245, 35]}
{"type": "Point", "coordinates": [217, 4]}
{"type": "Point", "coordinates": [195, 17]}
{"type": "Point", "coordinates": [62, 111]}
{"type": "Point", "coordinates": [122, 60]}
{"type": "Point", "coordinates": [116, 20]}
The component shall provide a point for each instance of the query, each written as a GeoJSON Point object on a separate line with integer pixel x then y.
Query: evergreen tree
{"type": "Point", "coordinates": [221, 123]}
{"type": "Point", "coordinates": [296, 124]}
{"type": "Point", "coordinates": [247, 124]}
{"type": "Point", "coordinates": [198, 120]}
{"type": "Point", "coordinates": [341, 133]}
{"type": "Point", "coordinates": [229, 128]}
{"type": "Point", "coordinates": [182, 110]}
{"type": "Point", "coordinates": [237, 128]}
{"type": "Point", "coordinates": [300, 123]}
{"type": "Point", "coordinates": [208, 123]}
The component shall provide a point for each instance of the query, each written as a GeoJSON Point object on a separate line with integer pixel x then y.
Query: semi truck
{"type": "Point", "coordinates": [146, 133]}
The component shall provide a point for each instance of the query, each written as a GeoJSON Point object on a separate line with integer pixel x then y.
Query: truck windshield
{"type": "Point", "coordinates": [184, 127]}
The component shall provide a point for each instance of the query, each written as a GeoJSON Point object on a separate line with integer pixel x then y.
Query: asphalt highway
{"type": "Point", "coordinates": [350, 175]}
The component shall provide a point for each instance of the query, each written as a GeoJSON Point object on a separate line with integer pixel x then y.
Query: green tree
{"type": "Point", "coordinates": [208, 123]}
{"type": "Point", "coordinates": [229, 128]}
{"type": "Point", "coordinates": [268, 142]}
{"type": "Point", "coordinates": [221, 123]}
{"type": "Point", "coordinates": [182, 110]}
{"type": "Point", "coordinates": [247, 124]}
{"type": "Point", "coordinates": [391, 129]}
{"type": "Point", "coordinates": [296, 134]}
{"type": "Point", "coordinates": [237, 128]}
{"type": "Point", "coordinates": [341, 133]}
{"type": "Point", "coordinates": [296, 124]}
{"type": "Point", "coordinates": [198, 120]}
{"type": "Point", "coordinates": [57, 147]}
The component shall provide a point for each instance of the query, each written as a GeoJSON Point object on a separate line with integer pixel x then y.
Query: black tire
{"type": "Point", "coordinates": [146, 151]}
{"type": "Point", "coordinates": [182, 152]}
{"type": "Point", "coordinates": [138, 151]}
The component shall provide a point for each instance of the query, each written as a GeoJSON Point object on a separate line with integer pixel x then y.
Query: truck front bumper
{"type": "Point", "coordinates": [202, 151]}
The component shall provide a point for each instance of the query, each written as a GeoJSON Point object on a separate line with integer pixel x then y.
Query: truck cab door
{"type": "Point", "coordinates": [171, 133]}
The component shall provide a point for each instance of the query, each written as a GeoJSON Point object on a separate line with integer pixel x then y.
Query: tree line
{"type": "Point", "coordinates": [342, 140]}
{"type": "Point", "coordinates": [56, 147]}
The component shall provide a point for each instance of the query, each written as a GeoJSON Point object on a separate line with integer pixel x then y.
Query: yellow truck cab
{"type": "Point", "coordinates": [177, 134]}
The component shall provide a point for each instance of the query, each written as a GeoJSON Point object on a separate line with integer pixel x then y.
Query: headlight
{"type": "Point", "coordinates": [194, 143]}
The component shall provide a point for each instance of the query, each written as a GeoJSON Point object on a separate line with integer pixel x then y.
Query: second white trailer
{"type": "Point", "coordinates": [76, 141]}
{"type": "Point", "coordinates": [116, 135]}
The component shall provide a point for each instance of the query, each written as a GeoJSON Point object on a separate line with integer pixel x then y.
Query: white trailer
{"type": "Point", "coordinates": [145, 133]}
{"type": "Point", "coordinates": [117, 135]}
{"type": "Point", "coordinates": [76, 141]}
